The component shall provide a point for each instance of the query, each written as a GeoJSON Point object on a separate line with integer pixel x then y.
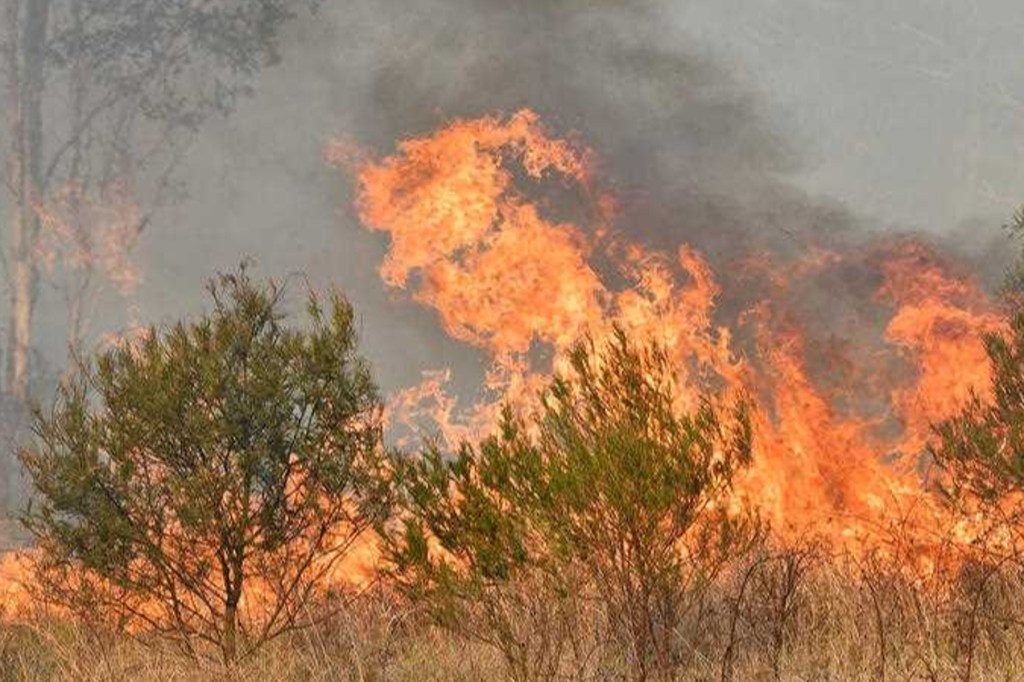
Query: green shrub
{"type": "Point", "coordinates": [201, 483]}
{"type": "Point", "coordinates": [605, 492]}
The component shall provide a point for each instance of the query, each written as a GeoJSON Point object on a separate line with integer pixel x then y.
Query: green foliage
{"type": "Point", "coordinates": [179, 60]}
{"type": "Point", "coordinates": [606, 484]}
{"type": "Point", "coordinates": [1013, 282]}
{"type": "Point", "coordinates": [981, 451]}
{"type": "Point", "coordinates": [981, 448]}
{"type": "Point", "coordinates": [203, 481]}
{"type": "Point", "coordinates": [983, 445]}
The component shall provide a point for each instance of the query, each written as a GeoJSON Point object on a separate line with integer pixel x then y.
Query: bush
{"type": "Point", "coordinates": [605, 490]}
{"type": "Point", "coordinates": [203, 482]}
{"type": "Point", "coordinates": [980, 450]}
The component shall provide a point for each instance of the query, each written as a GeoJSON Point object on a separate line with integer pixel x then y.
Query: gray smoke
{"type": "Point", "coordinates": [693, 153]}
{"type": "Point", "coordinates": [701, 115]}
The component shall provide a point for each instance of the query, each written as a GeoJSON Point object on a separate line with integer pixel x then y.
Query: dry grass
{"type": "Point", "coordinates": [775, 617]}
{"type": "Point", "coordinates": [367, 643]}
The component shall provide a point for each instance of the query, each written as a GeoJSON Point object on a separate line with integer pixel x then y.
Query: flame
{"type": "Point", "coordinates": [469, 214]}
{"type": "Point", "coordinates": [938, 323]}
{"type": "Point", "coordinates": [16, 602]}
{"type": "Point", "coordinates": [455, 221]}
{"type": "Point", "coordinates": [20, 602]}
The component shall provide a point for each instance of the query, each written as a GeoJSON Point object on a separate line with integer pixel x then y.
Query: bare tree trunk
{"type": "Point", "coordinates": [232, 575]}
{"type": "Point", "coordinates": [77, 289]}
{"type": "Point", "coordinates": [27, 54]}
{"type": "Point", "coordinates": [21, 303]}
{"type": "Point", "coordinates": [230, 644]}
{"type": "Point", "coordinates": [13, 115]}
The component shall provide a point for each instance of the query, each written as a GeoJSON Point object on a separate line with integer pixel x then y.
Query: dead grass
{"type": "Point", "coordinates": [779, 618]}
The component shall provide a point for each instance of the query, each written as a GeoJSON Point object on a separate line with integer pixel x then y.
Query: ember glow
{"type": "Point", "coordinates": [468, 210]}
{"type": "Point", "coordinates": [83, 233]}
{"type": "Point", "coordinates": [15, 572]}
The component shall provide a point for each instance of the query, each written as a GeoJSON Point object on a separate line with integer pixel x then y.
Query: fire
{"type": "Point", "coordinates": [469, 213]}
{"type": "Point", "coordinates": [938, 323]}
{"type": "Point", "coordinates": [456, 222]}
{"type": "Point", "coordinates": [16, 602]}
{"type": "Point", "coordinates": [20, 602]}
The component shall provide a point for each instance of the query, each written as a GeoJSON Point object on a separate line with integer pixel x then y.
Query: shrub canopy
{"type": "Point", "coordinates": [606, 480]}
{"type": "Point", "coordinates": [203, 481]}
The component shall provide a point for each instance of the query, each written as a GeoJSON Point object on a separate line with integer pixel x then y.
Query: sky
{"type": "Point", "coordinates": [911, 110]}
{"type": "Point", "coordinates": [719, 121]}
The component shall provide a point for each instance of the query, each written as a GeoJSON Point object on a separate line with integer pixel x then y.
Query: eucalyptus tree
{"type": "Point", "coordinates": [101, 98]}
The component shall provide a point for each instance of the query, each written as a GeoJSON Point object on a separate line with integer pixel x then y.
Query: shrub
{"type": "Point", "coordinates": [607, 488]}
{"type": "Point", "coordinates": [203, 482]}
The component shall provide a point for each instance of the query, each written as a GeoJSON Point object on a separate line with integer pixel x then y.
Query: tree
{"type": "Point", "coordinates": [204, 482]}
{"type": "Point", "coordinates": [607, 480]}
{"type": "Point", "coordinates": [1013, 281]}
{"type": "Point", "coordinates": [981, 448]}
{"type": "Point", "coordinates": [101, 98]}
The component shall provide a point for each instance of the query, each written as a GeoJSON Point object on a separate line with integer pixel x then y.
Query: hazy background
{"type": "Point", "coordinates": [718, 121]}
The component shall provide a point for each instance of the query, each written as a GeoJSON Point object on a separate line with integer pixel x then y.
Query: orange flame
{"type": "Point", "coordinates": [15, 600]}
{"type": "Point", "coordinates": [468, 239]}
{"type": "Point", "coordinates": [468, 211]}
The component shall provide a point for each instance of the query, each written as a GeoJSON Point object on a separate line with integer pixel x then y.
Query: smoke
{"type": "Point", "coordinates": [692, 153]}
{"type": "Point", "coordinates": [692, 150]}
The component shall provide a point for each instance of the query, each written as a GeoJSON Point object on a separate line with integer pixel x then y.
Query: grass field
{"type": "Point", "coordinates": [773, 621]}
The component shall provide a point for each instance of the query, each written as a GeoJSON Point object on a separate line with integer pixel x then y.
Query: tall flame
{"type": "Point", "coordinates": [468, 210]}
